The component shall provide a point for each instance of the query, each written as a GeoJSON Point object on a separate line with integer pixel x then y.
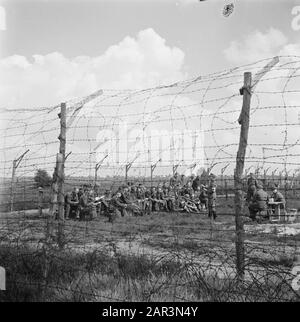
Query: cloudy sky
{"type": "Point", "coordinates": [52, 51]}
{"type": "Point", "coordinates": [79, 46]}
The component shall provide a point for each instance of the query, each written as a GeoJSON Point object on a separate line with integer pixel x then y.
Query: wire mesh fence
{"type": "Point", "coordinates": [144, 137]}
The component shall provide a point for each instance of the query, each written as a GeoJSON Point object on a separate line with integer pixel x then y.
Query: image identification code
{"type": "Point", "coordinates": [171, 311]}
{"type": "Point", "coordinates": [151, 311]}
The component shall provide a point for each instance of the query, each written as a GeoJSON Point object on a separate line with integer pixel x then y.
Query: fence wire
{"type": "Point", "coordinates": [189, 127]}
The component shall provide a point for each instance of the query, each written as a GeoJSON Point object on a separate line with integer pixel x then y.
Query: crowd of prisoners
{"type": "Point", "coordinates": [191, 195]}
{"type": "Point", "coordinates": [135, 199]}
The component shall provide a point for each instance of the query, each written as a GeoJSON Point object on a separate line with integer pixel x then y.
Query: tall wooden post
{"type": "Point", "coordinates": [127, 167]}
{"type": "Point", "coordinates": [40, 200]}
{"type": "Point", "coordinates": [53, 213]}
{"type": "Point", "coordinates": [60, 175]}
{"type": "Point", "coordinates": [152, 167]}
{"type": "Point", "coordinates": [16, 163]}
{"type": "Point", "coordinates": [12, 184]}
{"type": "Point", "coordinates": [244, 121]}
{"type": "Point", "coordinates": [97, 166]}
{"type": "Point", "coordinates": [95, 179]}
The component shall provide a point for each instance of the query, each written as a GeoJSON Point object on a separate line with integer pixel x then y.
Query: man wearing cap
{"type": "Point", "coordinates": [252, 186]}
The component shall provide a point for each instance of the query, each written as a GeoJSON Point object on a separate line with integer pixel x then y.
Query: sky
{"type": "Point", "coordinates": [53, 51]}
{"type": "Point", "coordinates": [195, 37]}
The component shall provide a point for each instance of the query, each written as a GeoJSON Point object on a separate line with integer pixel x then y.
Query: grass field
{"type": "Point", "coordinates": [157, 257]}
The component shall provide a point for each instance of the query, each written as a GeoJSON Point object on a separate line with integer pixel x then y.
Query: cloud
{"type": "Point", "coordinates": [139, 62]}
{"type": "Point", "coordinates": [256, 46]}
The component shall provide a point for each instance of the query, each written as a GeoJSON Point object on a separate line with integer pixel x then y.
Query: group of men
{"type": "Point", "coordinates": [259, 201]}
{"type": "Point", "coordinates": [137, 199]}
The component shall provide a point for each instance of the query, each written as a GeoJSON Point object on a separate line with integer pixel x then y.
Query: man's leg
{"type": "Point", "coordinates": [214, 214]}
{"type": "Point", "coordinates": [68, 207]}
{"type": "Point", "coordinates": [252, 212]}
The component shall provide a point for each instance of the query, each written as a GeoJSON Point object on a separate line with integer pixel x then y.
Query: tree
{"type": "Point", "coordinates": [42, 178]}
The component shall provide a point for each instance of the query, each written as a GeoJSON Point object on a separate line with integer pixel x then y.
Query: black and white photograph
{"type": "Point", "coordinates": [149, 153]}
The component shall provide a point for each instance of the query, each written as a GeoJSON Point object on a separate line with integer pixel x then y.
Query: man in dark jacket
{"type": "Point", "coordinates": [203, 198]}
{"type": "Point", "coordinates": [212, 202]}
{"type": "Point", "coordinates": [118, 204]}
{"type": "Point", "coordinates": [72, 203]}
{"type": "Point", "coordinates": [259, 202]}
{"type": "Point", "coordinates": [252, 186]}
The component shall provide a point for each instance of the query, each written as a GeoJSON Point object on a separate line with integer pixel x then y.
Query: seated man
{"type": "Point", "coordinates": [119, 206]}
{"type": "Point", "coordinates": [188, 203]}
{"type": "Point", "coordinates": [154, 201]}
{"type": "Point", "coordinates": [130, 198]}
{"type": "Point", "coordinates": [277, 197]}
{"type": "Point", "coordinates": [168, 198]}
{"type": "Point", "coordinates": [174, 180]}
{"type": "Point", "coordinates": [258, 203]}
{"type": "Point", "coordinates": [251, 187]}
{"type": "Point", "coordinates": [105, 203]}
{"type": "Point", "coordinates": [160, 199]}
{"type": "Point", "coordinates": [140, 197]}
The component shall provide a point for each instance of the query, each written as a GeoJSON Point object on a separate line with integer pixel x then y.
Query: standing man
{"type": "Point", "coordinates": [84, 204]}
{"type": "Point", "coordinates": [212, 200]}
{"type": "Point", "coordinates": [72, 203]}
{"type": "Point", "coordinates": [203, 197]}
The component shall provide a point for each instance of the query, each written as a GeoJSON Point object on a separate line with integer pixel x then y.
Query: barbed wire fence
{"type": "Point", "coordinates": [146, 135]}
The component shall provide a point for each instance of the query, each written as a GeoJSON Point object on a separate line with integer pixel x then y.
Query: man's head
{"type": "Point", "coordinates": [274, 188]}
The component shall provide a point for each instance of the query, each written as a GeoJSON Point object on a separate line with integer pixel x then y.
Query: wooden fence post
{"type": "Point", "coordinates": [49, 222]}
{"type": "Point", "coordinates": [60, 175]}
{"type": "Point", "coordinates": [244, 121]}
{"type": "Point", "coordinates": [40, 200]}
{"type": "Point", "coordinates": [16, 163]}
{"type": "Point", "coordinates": [12, 186]}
